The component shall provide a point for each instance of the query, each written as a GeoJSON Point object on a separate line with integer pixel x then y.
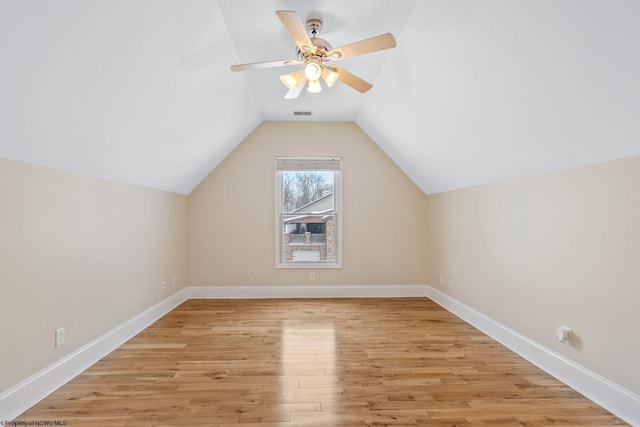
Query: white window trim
{"type": "Point", "coordinates": [337, 194]}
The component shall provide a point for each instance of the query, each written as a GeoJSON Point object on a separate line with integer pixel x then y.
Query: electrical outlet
{"type": "Point", "coordinates": [173, 281]}
{"type": "Point", "coordinates": [59, 337]}
{"type": "Point", "coordinates": [441, 279]}
{"type": "Point", "coordinates": [564, 335]}
{"type": "Point", "coordinates": [312, 275]}
{"type": "Point", "coordinates": [451, 284]}
{"type": "Point", "coordinates": [164, 286]}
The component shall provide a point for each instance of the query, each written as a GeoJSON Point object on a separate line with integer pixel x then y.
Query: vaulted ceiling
{"type": "Point", "coordinates": [476, 91]}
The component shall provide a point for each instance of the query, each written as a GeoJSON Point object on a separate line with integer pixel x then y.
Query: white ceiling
{"type": "Point", "coordinates": [476, 91]}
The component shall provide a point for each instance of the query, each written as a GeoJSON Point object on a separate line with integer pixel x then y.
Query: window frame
{"type": "Point", "coordinates": [308, 163]}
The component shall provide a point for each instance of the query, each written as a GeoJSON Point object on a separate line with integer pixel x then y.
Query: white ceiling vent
{"type": "Point", "coordinates": [302, 113]}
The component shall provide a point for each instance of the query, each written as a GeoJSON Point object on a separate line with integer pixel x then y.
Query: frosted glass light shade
{"type": "Point", "coordinates": [314, 86]}
{"type": "Point", "coordinates": [292, 79]}
{"type": "Point", "coordinates": [312, 70]}
{"type": "Point", "coordinates": [330, 76]}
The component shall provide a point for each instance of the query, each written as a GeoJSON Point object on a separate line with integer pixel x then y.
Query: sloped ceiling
{"type": "Point", "coordinates": [134, 91]}
{"type": "Point", "coordinates": [475, 92]}
{"type": "Point", "coordinates": [483, 91]}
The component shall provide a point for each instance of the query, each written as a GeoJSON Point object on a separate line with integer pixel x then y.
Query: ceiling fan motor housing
{"type": "Point", "coordinates": [321, 48]}
{"type": "Point", "coordinates": [314, 25]}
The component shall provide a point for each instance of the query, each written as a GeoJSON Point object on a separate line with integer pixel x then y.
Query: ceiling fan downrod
{"type": "Point", "coordinates": [314, 25]}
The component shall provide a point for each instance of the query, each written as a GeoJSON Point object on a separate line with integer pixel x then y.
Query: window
{"type": "Point", "coordinates": [308, 216]}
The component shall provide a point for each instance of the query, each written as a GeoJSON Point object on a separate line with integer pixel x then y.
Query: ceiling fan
{"type": "Point", "coordinates": [315, 53]}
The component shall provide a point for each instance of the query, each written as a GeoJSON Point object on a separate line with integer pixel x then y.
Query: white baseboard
{"type": "Point", "coordinates": [621, 402]}
{"type": "Point", "coordinates": [617, 400]}
{"type": "Point", "coordinates": [27, 393]}
{"type": "Point", "coordinates": [306, 291]}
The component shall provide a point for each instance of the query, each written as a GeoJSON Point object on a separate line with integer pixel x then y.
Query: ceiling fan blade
{"type": "Point", "coordinates": [294, 92]}
{"type": "Point", "coordinates": [374, 44]}
{"type": "Point", "coordinates": [296, 28]}
{"type": "Point", "coordinates": [261, 65]}
{"type": "Point", "coordinates": [352, 80]}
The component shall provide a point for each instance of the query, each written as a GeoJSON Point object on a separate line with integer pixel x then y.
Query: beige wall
{"type": "Point", "coordinates": [231, 214]}
{"type": "Point", "coordinates": [553, 250]}
{"type": "Point", "coordinates": [81, 253]}
{"type": "Point", "coordinates": [534, 254]}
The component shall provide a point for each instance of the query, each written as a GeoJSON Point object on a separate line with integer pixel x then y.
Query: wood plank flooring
{"type": "Point", "coordinates": [315, 362]}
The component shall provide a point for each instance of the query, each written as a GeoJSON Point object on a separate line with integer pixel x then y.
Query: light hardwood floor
{"type": "Point", "coordinates": [315, 362]}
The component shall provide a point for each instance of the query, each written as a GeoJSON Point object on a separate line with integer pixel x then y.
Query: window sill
{"type": "Point", "coordinates": [308, 266]}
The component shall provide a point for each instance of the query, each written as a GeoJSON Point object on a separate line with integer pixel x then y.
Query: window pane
{"type": "Point", "coordinates": [309, 238]}
{"type": "Point", "coordinates": [307, 191]}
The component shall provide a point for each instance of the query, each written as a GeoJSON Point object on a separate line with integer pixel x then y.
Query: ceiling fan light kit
{"type": "Point", "coordinates": [329, 75]}
{"type": "Point", "coordinates": [292, 79]}
{"type": "Point", "coordinates": [314, 86]}
{"type": "Point", "coordinates": [314, 53]}
{"type": "Point", "coordinates": [312, 68]}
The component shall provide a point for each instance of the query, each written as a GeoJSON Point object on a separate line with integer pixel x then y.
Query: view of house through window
{"type": "Point", "coordinates": [307, 211]}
